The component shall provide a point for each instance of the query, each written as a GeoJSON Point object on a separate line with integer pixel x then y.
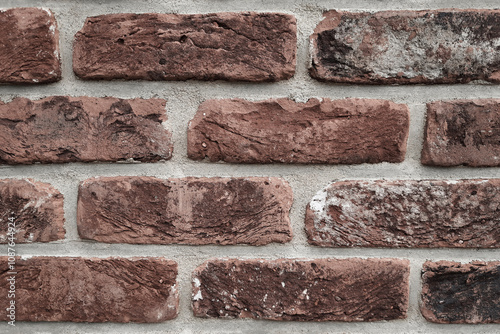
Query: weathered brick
{"type": "Point", "coordinates": [430, 213]}
{"type": "Point", "coordinates": [304, 290]}
{"type": "Point", "coordinates": [462, 132]}
{"type": "Point", "coordinates": [461, 293]}
{"type": "Point", "coordinates": [29, 51]}
{"type": "Point", "coordinates": [407, 47]}
{"type": "Point", "coordinates": [34, 209]}
{"type": "Point", "coordinates": [83, 129]}
{"type": "Point", "coordinates": [196, 211]}
{"type": "Point", "coordinates": [228, 46]}
{"type": "Point", "coordinates": [350, 131]}
{"type": "Point", "coordinates": [91, 289]}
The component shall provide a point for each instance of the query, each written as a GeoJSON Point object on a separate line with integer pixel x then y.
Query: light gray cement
{"type": "Point", "coordinates": [183, 100]}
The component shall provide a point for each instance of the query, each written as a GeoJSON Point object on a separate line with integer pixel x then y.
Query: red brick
{"type": "Point", "coordinates": [91, 289]}
{"type": "Point", "coordinates": [227, 46]}
{"type": "Point", "coordinates": [462, 132]}
{"type": "Point", "coordinates": [430, 213]}
{"type": "Point", "coordinates": [456, 293]}
{"type": "Point", "coordinates": [34, 209]}
{"type": "Point", "coordinates": [62, 129]}
{"type": "Point", "coordinates": [350, 131]}
{"type": "Point", "coordinates": [30, 46]}
{"type": "Point", "coordinates": [407, 47]}
{"type": "Point", "coordinates": [305, 290]}
{"type": "Point", "coordinates": [196, 211]}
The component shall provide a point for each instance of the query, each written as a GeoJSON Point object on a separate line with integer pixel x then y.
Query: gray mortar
{"type": "Point", "coordinates": [183, 100]}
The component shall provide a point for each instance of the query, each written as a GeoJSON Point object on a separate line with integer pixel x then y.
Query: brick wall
{"type": "Point", "coordinates": [180, 166]}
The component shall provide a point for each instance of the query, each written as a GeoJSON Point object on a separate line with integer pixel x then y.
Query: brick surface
{"type": "Point", "coordinates": [228, 46]}
{"type": "Point", "coordinates": [62, 129]}
{"type": "Point", "coordinates": [196, 211]}
{"type": "Point", "coordinates": [430, 213]}
{"type": "Point", "coordinates": [407, 47]}
{"type": "Point", "coordinates": [29, 51]}
{"type": "Point", "coordinates": [461, 293]}
{"type": "Point", "coordinates": [462, 132]}
{"type": "Point", "coordinates": [304, 290]}
{"type": "Point", "coordinates": [350, 131]}
{"type": "Point", "coordinates": [91, 289]}
{"type": "Point", "coordinates": [34, 209]}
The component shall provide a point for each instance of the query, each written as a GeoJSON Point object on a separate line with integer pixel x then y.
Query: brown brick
{"type": "Point", "coordinates": [430, 213]}
{"type": "Point", "coordinates": [29, 51]}
{"type": "Point", "coordinates": [462, 132]}
{"type": "Point", "coordinates": [461, 293]}
{"type": "Point", "coordinates": [350, 131]}
{"type": "Point", "coordinates": [196, 211]}
{"type": "Point", "coordinates": [91, 289]}
{"type": "Point", "coordinates": [407, 47]}
{"type": "Point", "coordinates": [83, 129]}
{"type": "Point", "coordinates": [304, 290]}
{"type": "Point", "coordinates": [227, 46]}
{"type": "Point", "coordinates": [34, 209]}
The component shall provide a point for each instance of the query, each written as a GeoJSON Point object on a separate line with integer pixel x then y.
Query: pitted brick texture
{"type": "Point", "coordinates": [350, 131]}
{"type": "Point", "coordinates": [407, 47]}
{"type": "Point", "coordinates": [196, 211]}
{"type": "Point", "coordinates": [244, 46]}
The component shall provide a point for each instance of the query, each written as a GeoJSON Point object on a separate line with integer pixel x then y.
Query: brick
{"type": "Point", "coordinates": [227, 46]}
{"type": "Point", "coordinates": [34, 209]}
{"type": "Point", "coordinates": [350, 131]}
{"type": "Point", "coordinates": [91, 289]}
{"type": "Point", "coordinates": [456, 293]}
{"type": "Point", "coordinates": [195, 211]}
{"type": "Point", "coordinates": [304, 290]}
{"type": "Point", "coordinates": [406, 213]}
{"type": "Point", "coordinates": [62, 129]}
{"type": "Point", "coordinates": [462, 132]}
{"type": "Point", "coordinates": [30, 46]}
{"type": "Point", "coordinates": [407, 47]}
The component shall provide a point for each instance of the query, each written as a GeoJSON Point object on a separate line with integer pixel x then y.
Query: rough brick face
{"type": "Point", "coordinates": [197, 211]}
{"type": "Point", "coordinates": [462, 132]}
{"type": "Point", "coordinates": [431, 213]}
{"type": "Point", "coordinates": [35, 209]}
{"type": "Point", "coordinates": [227, 46]}
{"type": "Point", "coordinates": [407, 47]}
{"type": "Point", "coordinates": [29, 51]}
{"type": "Point", "coordinates": [92, 289]}
{"type": "Point", "coordinates": [83, 129]}
{"type": "Point", "coordinates": [461, 293]}
{"type": "Point", "coordinates": [350, 131]}
{"type": "Point", "coordinates": [304, 290]}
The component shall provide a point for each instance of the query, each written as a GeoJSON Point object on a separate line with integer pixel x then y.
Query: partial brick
{"type": "Point", "coordinates": [406, 213]}
{"type": "Point", "coordinates": [462, 132]}
{"type": "Point", "coordinates": [91, 289]}
{"type": "Point", "coordinates": [304, 290]}
{"type": "Point", "coordinates": [34, 209]}
{"type": "Point", "coordinates": [244, 46]}
{"type": "Point", "coordinates": [195, 211]}
{"type": "Point", "coordinates": [29, 51]}
{"type": "Point", "coordinates": [350, 131]}
{"type": "Point", "coordinates": [461, 293]}
{"type": "Point", "coordinates": [407, 47]}
{"type": "Point", "coordinates": [62, 129]}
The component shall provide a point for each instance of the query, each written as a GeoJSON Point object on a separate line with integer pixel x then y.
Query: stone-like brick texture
{"type": "Point", "coordinates": [196, 211]}
{"type": "Point", "coordinates": [227, 46]}
{"type": "Point", "coordinates": [62, 129]}
{"type": "Point", "coordinates": [407, 47]}
{"type": "Point", "coordinates": [350, 131]}
{"type": "Point", "coordinates": [461, 293]}
{"type": "Point", "coordinates": [304, 290]}
{"type": "Point", "coordinates": [91, 289]}
{"type": "Point", "coordinates": [429, 213]}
